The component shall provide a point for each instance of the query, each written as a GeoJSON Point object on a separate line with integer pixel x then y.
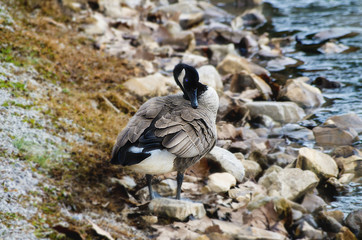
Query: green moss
{"type": "Point", "coordinates": [13, 103]}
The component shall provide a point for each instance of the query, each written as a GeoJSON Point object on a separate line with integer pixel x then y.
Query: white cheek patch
{"type": "Point", "coordinates": [181, 77]}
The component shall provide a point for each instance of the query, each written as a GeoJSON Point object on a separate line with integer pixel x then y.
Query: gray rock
{"type": "Point", "coordinates": [228, 162]}
{"type": "Point", "coordinates": [155, 84]}
{"type": "Point", "coordinates": [290, 183]}
{"type": "Point", "coordinates": [332, 135]}
{"type": "Point", "coordinates": [178, 209]}
{"type": "Point", "coordinates": [320, 163]}
{"type": "Point", "coordinates": [350, 120]}
{"type": "Point", "coordinates": [221, 182]}
{"type": "Point", "coordinates": [311, 202]}
{"type": "Point", "coordinates": [354, 222]}
{"type": "Point", "coordinates": [252, 169]}
{"type": "Point", "coordinates": [285, 112]}
{"type": "Point", "coordinates": [281, 159]}
{"type": "Point", "coordinates": [303, 94]}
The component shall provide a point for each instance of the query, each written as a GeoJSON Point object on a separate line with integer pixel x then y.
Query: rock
{"type": "Point", "coordinates": [346, 178]}
{"type": "Point", "coordinates": [344, 151]}
{"type": "Point", "coordinates": [352, 164]}
{"type": "Point", "coordinates": [125, 181]}
{"type": "Point", "coordinates": [150, 219]}
{"type": "Point", "coordinates": [294, 131]}
{"type": "Point", "coordinates": [331, 48]}
{"type": "Point", "coordinates": [166, 187]}
{"type": "Point", "coordinates": [252, 169]}
{"type": "Point", "coordinates": [345, 234]}
{"type": "Point", "coordinates": [336, 214]}
{"type": "Point", "coordinates": [247, 3]}
{"type": "Point", "coordinates": [305, 230]}
{"type": "Point", "coordinates": [178, 209]}
{"type": "Point", "coordinates": [354, 222]}
{"type": "Point", "coordinates": [213, 12]}
{"type": "Point", "coordinates": [327, 223]}
{"type": "Point", "coordinates": [312, 202]}
{"type": "Point", "coordinates": [221, 182]}
{"type": "Point", "coordinates": [172, 34]}
{"type": "Point", "coordinates": [244, 80]}
{"type": "Point", "coordinates": [350, 120]}
{"type": "Point", "coordinates": [305, 95]}
{"type": "Point", "coordinates": [284, 112]}
{"type": "Point", "coordinates": [227, 131]}
{"type": "Point", "coordinates": [253, 18]}
{"type": "Point", "coordinates": [332, 135]}
{"type": "Point", "coordinates": [188, 20]}
{"type": "Point", "coordinates": [246, 232]}
{"type": "Point", "coordinates": [194, 60]}
{"type": "Point", "coordinates": [321, 164]}
{"type": "Point", "coordinates": [210, 76]}
{"type": "Point", "coordinates": [155, 84]}
{"type": "Point", "coordinates": [98, 27]}
{"type": "Point", "coordinates": [322, 82]}
{"type": "Point", "coordinates": [334, 33]}
{"type": "Point", "coordinates": [235, 64]}
{"type": "Point", "coordinates": [281, 63]}
{"type": "Point", "coordinates": [290, 183]}
{"type": "Point", "coordinates": [219, 52]}
{"type": "Point", "coordinates": [281, 159]}
{"type": "Point", "coordinates": [113, 9]}
{"type": "Point", "coordinates": [228, 162]}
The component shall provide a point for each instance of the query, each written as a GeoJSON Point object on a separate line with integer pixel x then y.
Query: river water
{"type": "Point", "coordinates": [301, 18]}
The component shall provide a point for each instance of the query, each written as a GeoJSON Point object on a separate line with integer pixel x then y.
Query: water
{"type": "Point", "coordinates": [300, 18]}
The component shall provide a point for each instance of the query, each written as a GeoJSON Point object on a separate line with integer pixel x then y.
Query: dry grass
{"type": "Point", "coordinates": [87, 77]}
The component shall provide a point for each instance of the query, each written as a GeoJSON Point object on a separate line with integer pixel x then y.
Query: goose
{"type": "Point", "coordinates": [170, 133]}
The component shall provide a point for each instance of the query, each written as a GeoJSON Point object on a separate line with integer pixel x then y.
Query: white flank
{"type": "Point", "coordinates": [160, 161]}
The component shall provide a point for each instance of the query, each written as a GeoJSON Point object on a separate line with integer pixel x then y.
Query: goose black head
{"type": "Point", "coordinates": [187, 79]}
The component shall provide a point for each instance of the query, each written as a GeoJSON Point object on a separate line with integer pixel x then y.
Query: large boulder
{"type": "Point", "coordinates": [351, 164]}
{"type": "Point", "coordinates": [349, 120]}
{"type": "Point", "coordinates": [303, 94]}
{"type": "Point", "coordinates": [320, 163]}
{"type": "Point", "coordinates": [290, 183]}
{"type": "Point", "coordinates": [284, 112]}
{"type": "Point", "coordinates": [332, 135]}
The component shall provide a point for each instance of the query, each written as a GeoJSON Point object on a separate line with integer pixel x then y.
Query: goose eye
{"type": "Point", "coordinates": [186, 80]}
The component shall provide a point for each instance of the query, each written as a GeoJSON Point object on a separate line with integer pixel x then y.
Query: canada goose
{"type": "Point", "coordinates": [170, 133]}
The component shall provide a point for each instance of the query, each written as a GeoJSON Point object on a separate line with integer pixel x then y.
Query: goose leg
{"type": "Point", "coordinates": [149, 184]}
{"type": "Point", "coordinates": [179, 179]}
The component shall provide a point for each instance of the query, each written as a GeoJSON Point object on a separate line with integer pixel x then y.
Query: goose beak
{"type": "Point", "coordinates": [193, 98]}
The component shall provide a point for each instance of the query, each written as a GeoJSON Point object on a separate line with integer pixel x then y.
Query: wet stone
{"type": "Point", "coordinates": [178, 209]}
